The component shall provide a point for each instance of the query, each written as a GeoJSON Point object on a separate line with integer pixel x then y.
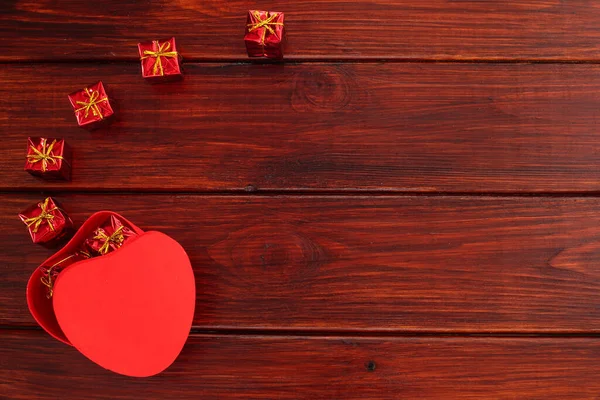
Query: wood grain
{"type": "Point", "coordinates": [332, 29]}
{"type": "Point", "coordinates": [306, 288]}
{"type": "Point", "coordinates": [254, 367]}
{"type": "Point", "coordinates": [378, 264]}
{"type": "Point", "coordinates": [466, 128]}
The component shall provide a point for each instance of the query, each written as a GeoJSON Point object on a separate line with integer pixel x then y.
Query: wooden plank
{"type": "Point", "coordinates": [254, 367]}
{"type": "Point", "coordinates": [384, 264]}
{"type": "Point", "coordinates": [333, 29]}
{"type": "Point", "coordinates": [466, 128]}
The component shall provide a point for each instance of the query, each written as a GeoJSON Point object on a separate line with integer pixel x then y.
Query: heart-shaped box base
{"type": "Point", "coordinates": [130, 311]}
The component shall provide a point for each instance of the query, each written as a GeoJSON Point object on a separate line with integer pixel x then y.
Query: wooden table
{"type": "Point", "coordinates": [408, 208]}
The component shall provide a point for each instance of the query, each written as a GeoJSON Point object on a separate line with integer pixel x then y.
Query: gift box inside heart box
{"type": "Point", "coordinates": [130, 311]}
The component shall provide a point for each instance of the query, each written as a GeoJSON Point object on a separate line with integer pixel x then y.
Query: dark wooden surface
{"type": "Point", "coordinates": [408, 208]}
{"type": "Point", "coordinates": [296, 367]}
{"type": "Point", "coordinates": [360, 264]}
{"type": "Point", "coordinates": [327, 29]}
{"type": "Point", "coordinates": [383, 127]}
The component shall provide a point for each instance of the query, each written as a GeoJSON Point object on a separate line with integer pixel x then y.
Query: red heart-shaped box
{"type": "Point", "coordinates": [130, 311]}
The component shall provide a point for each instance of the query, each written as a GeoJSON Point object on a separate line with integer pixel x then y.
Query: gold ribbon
{"type": "Point", "coordinates": [45, 155]}
{"type": "Point", "coordinates": [115, 238]}
{"type": "Point", "coordinates": [92, 104]}
{"type": "Point", "coordinates": [48, 279]}
{"type": "Point", "coordinates": [162, 52]}
{"type": "Point", "coordinates": [264, 23]}
{"type": "Point", "coordinates": [44, 216]}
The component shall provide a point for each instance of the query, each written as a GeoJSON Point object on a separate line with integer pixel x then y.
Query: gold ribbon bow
{"type": "Point", "coordinates": [45, 155]}
{"type": "Point", "coordinates": [92, 104]}
{"type": "Point", "coordinates": [162, 52]}
{"type": "Point", "coordinates": [264, 23]}
{"type": "Point", "coordinates": [44, 216]}
{"type": "Point", "coordinates": [115, 238]}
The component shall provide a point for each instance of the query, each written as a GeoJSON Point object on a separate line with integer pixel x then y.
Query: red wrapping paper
{"type": "Point", "coordinates": [46, 221]}
{"type": "Point", "coordinates": [264, 34]}
{"type": "Point", "coordinates": [91, 106]}
{"type": "Point", "coordinates": [160, 60]}
{"type": "Point", "coordinates": [109, 236]}
{"type": "Point", "coordinates": [48, 158]}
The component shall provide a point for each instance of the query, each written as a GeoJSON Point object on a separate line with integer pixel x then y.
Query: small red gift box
{"type": "Point", "coordinates": [46, 221]}
{"type": "Point", "coordinates": [109, 236]}
{"type": "Point", "coordinates": [160, 60]}
{"type": "Point", "coordinates": [48, 158]}
{"type": "Point", "coordinates": [264, 34]}
{"type": "Point", "coordinates": [91, 106]}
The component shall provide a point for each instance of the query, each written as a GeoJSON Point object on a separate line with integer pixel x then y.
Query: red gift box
{"type": "Point", "coordinates": [100, 305]}
{"type": "Point", "coordinates": [48, 158]}
{"type": "Point", "coordinates": [91, 106]}
{"type": "Point", "coordinates": [160, 60]}
{"type": "Point", "coordinates": [264, 34]}
{"type": "Point", "coordinates": [46, 221]}
{"type": "Point", "coordinates": [109, 236]}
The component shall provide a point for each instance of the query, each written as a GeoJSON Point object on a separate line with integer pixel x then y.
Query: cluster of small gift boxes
{"type": "Point", "coordinates": [48, 224]}
{"type": "Point", "coordinates": [51, 158]}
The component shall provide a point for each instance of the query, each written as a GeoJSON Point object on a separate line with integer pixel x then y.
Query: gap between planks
{"type": "Point", "coordinates": [339, 193]}
{"type": "Point", "coordinates": [301, 60]}
{"type": "Point", "coordinates": [374, 334]}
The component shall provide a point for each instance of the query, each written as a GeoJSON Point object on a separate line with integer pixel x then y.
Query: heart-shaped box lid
{"type": "Point", "coordinates": [129, 311]}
